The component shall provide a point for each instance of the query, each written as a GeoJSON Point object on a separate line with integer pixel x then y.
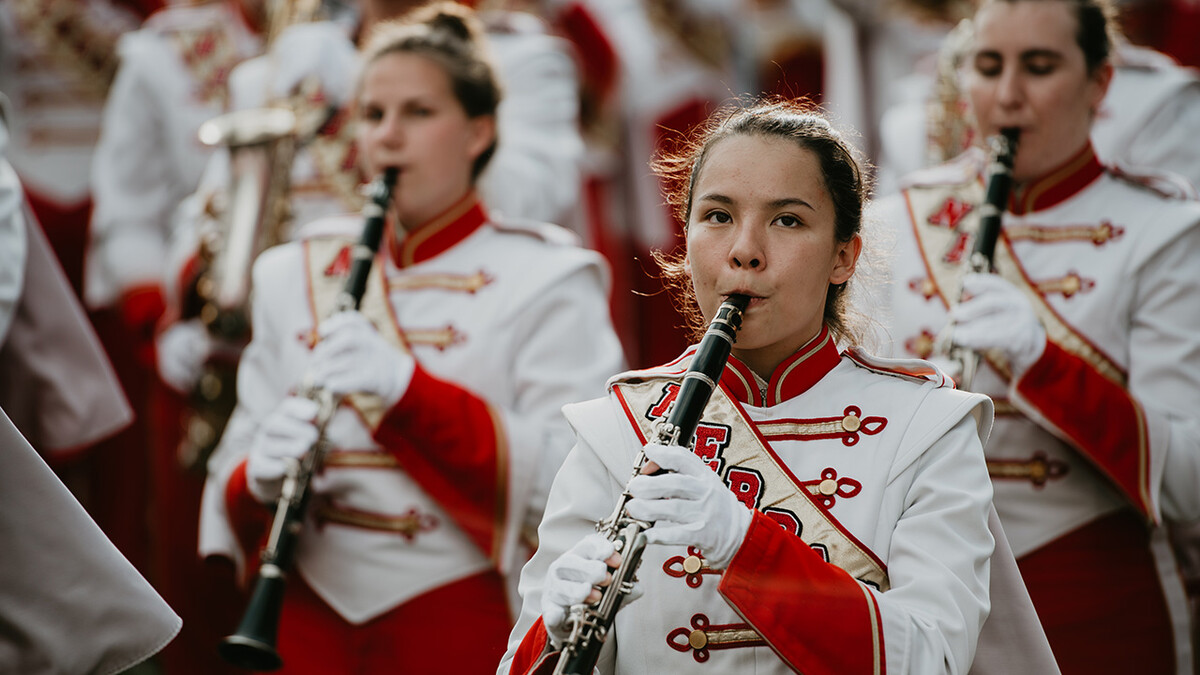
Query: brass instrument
{"type": "Point", "coordinates": [1003, 149]}
{"type": "Point", "coordinates": [590, 623]}
{"type": "Point", "coordinates": [254, 215]}
{"type": "Point", "coordinates": [253, 644]}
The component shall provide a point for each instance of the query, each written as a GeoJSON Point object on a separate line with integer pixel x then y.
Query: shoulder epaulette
{"type": "Point", "coordinates": [913, 370]}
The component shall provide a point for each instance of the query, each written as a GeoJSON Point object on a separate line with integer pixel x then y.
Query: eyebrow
{"type": "Point", "coordinates": [775, 203]}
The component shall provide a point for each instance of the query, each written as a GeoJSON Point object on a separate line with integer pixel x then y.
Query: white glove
{"type": "Point", "coordinates": [284, 437]}
{"type": "Point", "coordinates": [997, 315]}
{"type": "Point", "coordinates": [353, 358]}
{"type": "Point", "coordinates": [691, 507]}
{"type": "Point", "coordinates": [570, 581]}
{"type": "Point", "coordinates": [182, 349]}
{"type": "Point", "coordinates": [320, 50]}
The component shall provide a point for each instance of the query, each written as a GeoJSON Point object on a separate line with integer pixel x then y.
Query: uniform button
{"type": "Point", "coordinates": [828, 487]}
{"type": "Point", "coordinates": [692, 564]}
{"type": "Point", "coordinates": [698, 639]}
{"type": "Point", "coordinates": [851, 423]}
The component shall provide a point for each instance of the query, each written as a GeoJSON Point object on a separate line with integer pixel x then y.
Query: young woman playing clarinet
{"type": "Point", "coordinates": [1089, 330]}
{"type": "Point", "coordinates": [832, 513]}
{"type": "Point", "coordinates": [470, 337]}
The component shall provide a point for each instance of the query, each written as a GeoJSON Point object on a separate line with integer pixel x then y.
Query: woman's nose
{"type": "Point", "coordinates": [1009, 92]}
{"type": "Point", "coordinates": [747, 250]}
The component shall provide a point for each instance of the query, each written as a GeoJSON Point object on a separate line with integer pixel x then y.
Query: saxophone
{"type": "Point", "coordinates": [590, 624]}
{"type": "Point", "coordinates": [254, 214]}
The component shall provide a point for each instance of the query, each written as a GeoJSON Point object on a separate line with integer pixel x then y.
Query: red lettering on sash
{"type": "Point", "coordinates": [711, 440]}
{"type": "Point", "coordinates": [786, 519]}
{"type": "Point", "coordinates": [950, 213]}
{"type": "Point", "coordinates": [659, 409]}
{"type": "Point", "coordinates": [747, 485]}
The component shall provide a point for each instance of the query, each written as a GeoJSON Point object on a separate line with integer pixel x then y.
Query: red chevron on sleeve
{"type": "Point", "coordinates": [1098, 416]}
{"type": "Point", "coordinates": [453, 444]}
{"type": "Point", "coordinates": [788, 593]}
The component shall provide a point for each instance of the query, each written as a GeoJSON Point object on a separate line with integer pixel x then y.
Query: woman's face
{"type": "Point", "coordinates": [409, 118]}
{"type": "Point", "coordinates": [1027, 71]}
{"type": "Point", "coordinates": [762, 224]}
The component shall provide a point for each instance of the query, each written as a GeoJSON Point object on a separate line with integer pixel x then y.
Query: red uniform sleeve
{"type": "Point", "coordinates": [452, 443]}
{"type": "Point", "coordinates": [1071, 396]}
{"type": "Point", "coordinates": [533, 656]}
{"type": "Point", "coordinates": [815, 616]}
{"type": "Point", "coordinates": [250, 520]}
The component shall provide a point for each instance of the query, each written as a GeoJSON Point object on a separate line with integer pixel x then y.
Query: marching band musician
{"type": "Point", "coordinates": [533, 175]}
{"type": "Point", "coordinates": [834, 514]}
{"type": "Point", "coordinates": [474, 331]}
{"type": "Point", "coordinates": [171, 77]}
{"type": "Point", "coordinates": [1090, 331]}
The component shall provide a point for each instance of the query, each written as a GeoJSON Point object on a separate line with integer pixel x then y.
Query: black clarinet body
{"type": "Point", "coordinates": [1003, 150]}
{"type": "Point", "coordinates": [253, 644]}
{"type": "Point", "coordinates": [591, 624]}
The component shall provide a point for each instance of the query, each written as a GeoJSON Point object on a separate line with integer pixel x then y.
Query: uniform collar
{"type": "Point", "coordinates": [796, 375]}
{"type": "Point", "coordinates": [1058, 185]}
{"type": "Point", "coordinates": [438, 235]}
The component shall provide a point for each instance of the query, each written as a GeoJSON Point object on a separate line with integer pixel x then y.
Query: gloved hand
{"type": "Point", "coordinates": [183, 348]}
{"type": "Point", "coordinates": [997, 315]}
{"type": "Point", "coordinates": [285, 436]}
{"type": "Point", "coordinates": [691, 507]}
{"type": "Point", "coordinates": [353, 358]}
{"type": "Point", "coordinates": [570, 581]}
{"type": "Point", "coordinates": [320, 50]}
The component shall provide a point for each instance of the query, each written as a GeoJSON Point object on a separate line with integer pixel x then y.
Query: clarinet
{"type": "Point", "coordinates": [1003, 149]}
{"type": "Point", "coordinates": [590, 624]}
{"type": "Point", "coordinates": [253, 645]}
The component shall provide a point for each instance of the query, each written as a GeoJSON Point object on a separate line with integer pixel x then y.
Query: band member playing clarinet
{"type": "Point", "coordinates": [831, 512]}
{"type": "Point", "coordinates": [1089, 332]}
{"type": "Point", "coordinates": [472, 333]}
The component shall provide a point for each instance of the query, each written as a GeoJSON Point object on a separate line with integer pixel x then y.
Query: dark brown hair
{"type": "Point", "coordinates": [450, 35]}
{"type": "Point", "coordinates": [796, 121]}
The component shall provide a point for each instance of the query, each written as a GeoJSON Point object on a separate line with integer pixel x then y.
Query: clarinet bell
{"type": "Point", "coordinates": [253, 645]}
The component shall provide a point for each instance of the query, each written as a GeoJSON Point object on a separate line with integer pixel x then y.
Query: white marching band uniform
{"type": "Point", "coordinates": [172, 78]}
{"type": "Point", "coordinates": [69, 601]}
{"type": "Point", "coordinates": [58, 386]}
{"type": "Point", "coordinates": [880, 449]}
{"type": "Point", "coordinates": [1106, 420]}
{"type": "Point", "coordinates": [512, 313]}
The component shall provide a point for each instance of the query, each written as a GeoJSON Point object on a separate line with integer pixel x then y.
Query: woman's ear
{"type": "Point", "coordinates": [1101, 78]}
{"type": "Point", "coordinates": [845, 259]}
{"type": "Point", "coordinates": [483, 134]}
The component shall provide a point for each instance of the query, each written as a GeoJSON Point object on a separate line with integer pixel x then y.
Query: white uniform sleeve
{"type": "Point", "coordinates": [535, 173]}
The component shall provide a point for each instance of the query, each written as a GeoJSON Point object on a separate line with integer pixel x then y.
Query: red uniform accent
{"type": "Point", "coordinates": [531, 657]}
{"type": "Point", "coordinates": [250, 519]}
{"type": "Point", "coordinates": [1072, 396]}
{"type": "Point", "coordinates": [788, 593]}
{"type": "Point", "coordinates": [400, 640]}
{"type": "Point", "coordinates": [1100, 599]}
{"type": "Point", "coordinates": [454, 450]}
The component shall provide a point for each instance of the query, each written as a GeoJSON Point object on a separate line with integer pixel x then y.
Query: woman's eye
{"type": "Point", "coordinates": [988, 66]}
{"type": "Point", "coordinates": [717, 217]}
{"type": "Point", "coordinates": [1040, 67]}
{"type": "Point", "coordinates": [371, 114]}
{"type": "Point", "coordinates": [789, 221]}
